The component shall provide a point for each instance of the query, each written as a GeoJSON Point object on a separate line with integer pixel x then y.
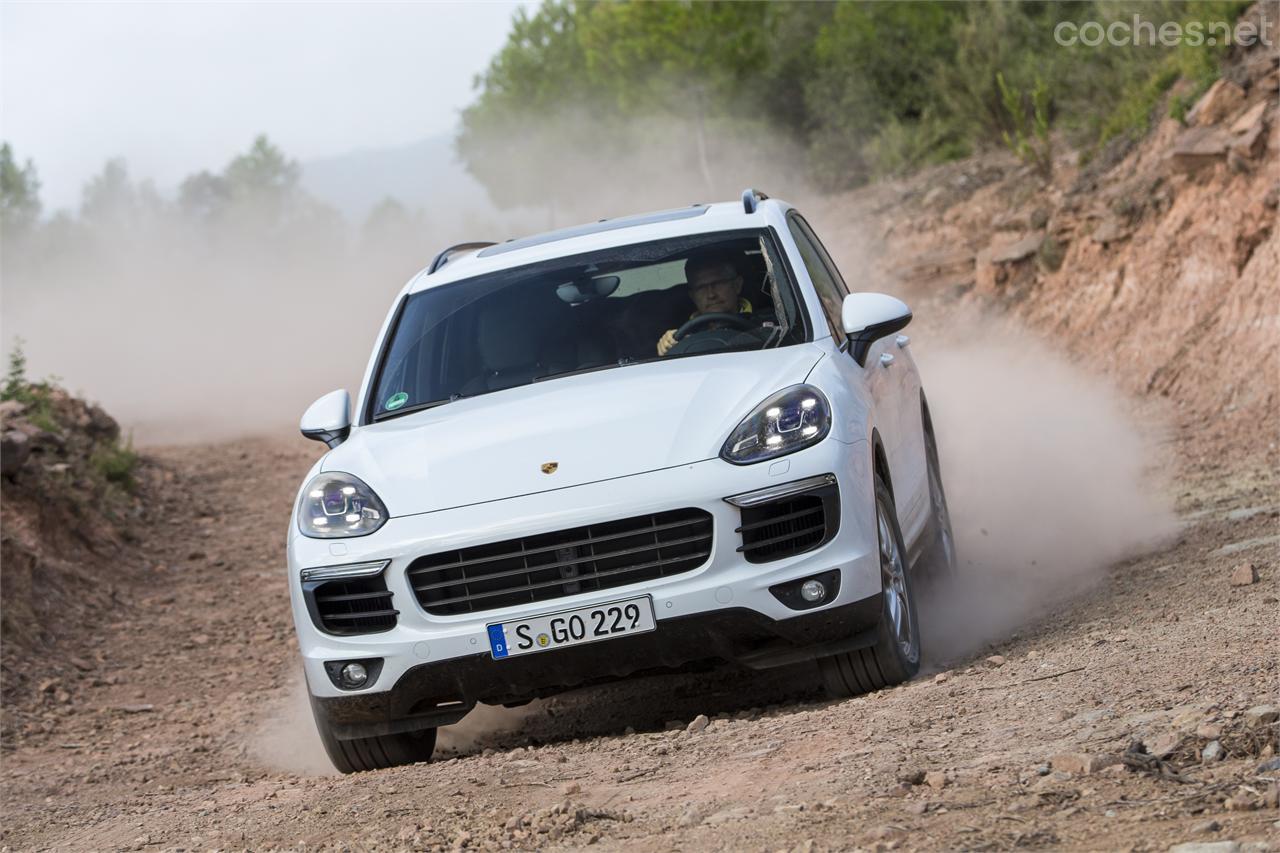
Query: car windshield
{"type": "Point", "coordinates": [603, 310]}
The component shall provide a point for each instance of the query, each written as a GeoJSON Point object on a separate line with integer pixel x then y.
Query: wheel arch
{"type": "Point", "coordinates": [880, 461]}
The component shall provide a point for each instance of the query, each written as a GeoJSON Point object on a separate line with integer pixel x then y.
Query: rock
{"type": "Point", "coordinates": [572, 788]}
{"type": "Point", "coordinates": [1082, 764]}
{"type": "Point", "coordinates": [1206, 827]}
{"type": "Point", "coordinates": [10, 409]}
{"type": "Point", "coordinates": [1163, 745]}
{"type": "Point", "coordinates": [1251, 118]}
{"type": "Point", "coordinates": [1244, 575]}
{"type": "Point", "coordinates": [1209, 731]}
{"type": "Point", "coordinates": [1112, 230]}
{"type": "Point", "coordinates": [1213, 752]}
{"type": "Point", "coordinates": [994, 660]}
{"type": "Point", "coordinates": [1021, 250]}
{"type": "Point", "coordinates": [135, 709]}
{"type": "Point", "coordinates": [1261, 715]}
{"type": "Point", "coordinates": [15, 450]}
{"type": "Point", "coordinates": [919, 807]}
{"type": "Point", "coordinates": [697, 724]}
{"type": "Point", "coordinates": [1206, 847]}
{"type": "Point", "coordinates": [1198, 147]}
{"type": "Point", "coordinates": [1223, 98]}
{"type": "Point", "coordinates": [100, 426]}
{"type": "Point", "coordinates": [941, 678]}
{"type": "Point", "coordinates": [1271, 765]}
{"type": "Point", "coordinates": [1241, 802]}
{"type": "Point", "coordinates": [936, 779]}
{"type": "Point", "coordinates": [911, 776]}
{"type": "Point", "coordinates": [691, 817]}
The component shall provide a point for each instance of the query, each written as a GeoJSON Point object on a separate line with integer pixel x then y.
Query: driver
{"type": "Point", "coordinates": [715, 286]}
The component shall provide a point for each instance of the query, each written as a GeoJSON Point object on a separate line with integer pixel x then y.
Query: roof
{"type": "Point", "coordinates": [604, 234]}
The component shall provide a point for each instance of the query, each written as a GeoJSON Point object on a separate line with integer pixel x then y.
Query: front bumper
{"type": "Point", "coordinates": [421, 642]}
{"type": "Point", "coordinates": [431, 695]}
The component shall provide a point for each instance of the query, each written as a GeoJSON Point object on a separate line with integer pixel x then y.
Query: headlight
{"type": "Point", "coordinates": [335, 505]}
{"type": "Point", "coordinates": [794, 418]}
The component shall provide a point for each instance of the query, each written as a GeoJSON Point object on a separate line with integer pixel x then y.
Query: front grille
{"type": "Point", "coordinates": [552, 565]}
{"type": "Point", "coordinates": [790, 525]}
{"type": "Point", "coordinates": [353, 605]}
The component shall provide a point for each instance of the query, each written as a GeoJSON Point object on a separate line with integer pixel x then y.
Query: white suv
{"type": "Point", "coordinates": [661, 442]}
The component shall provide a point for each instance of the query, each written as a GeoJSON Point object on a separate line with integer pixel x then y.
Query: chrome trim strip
{"type": "Point", "coordinates": [783, 490]}
{"type": "Point", "coordinates": [348, 570]}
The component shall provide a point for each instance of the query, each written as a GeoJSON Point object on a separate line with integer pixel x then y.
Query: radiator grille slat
{"type": "Point", "coordinates": [552, 565]}
{"type": "Point", "coordinates": [789, 526]}
{"type": "Point", "coordinates": [355, 606]}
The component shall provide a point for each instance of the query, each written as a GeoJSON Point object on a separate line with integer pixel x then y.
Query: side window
{"type": "Point", "coordinates": [831, 289]}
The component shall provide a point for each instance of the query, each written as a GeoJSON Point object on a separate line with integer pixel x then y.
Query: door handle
{"type": "Point", "coordinates": [903, 340]}
{"type": "Point", "coordinates": [886, 359]}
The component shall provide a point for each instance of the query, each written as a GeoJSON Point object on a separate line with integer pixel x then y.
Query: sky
{"type": "Point", "coordinates": [179, 87]}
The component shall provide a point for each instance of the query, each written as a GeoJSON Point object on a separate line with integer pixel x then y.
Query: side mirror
{"type": "Point", "coordinates": [868, 317]}
{"type": "Point", "coordinates": [328, 419]}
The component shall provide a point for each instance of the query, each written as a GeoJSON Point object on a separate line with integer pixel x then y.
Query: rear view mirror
{"type": "Point", "coordinates": [868, 317]}
{"type": "Point", "coordinates": [328, 419]}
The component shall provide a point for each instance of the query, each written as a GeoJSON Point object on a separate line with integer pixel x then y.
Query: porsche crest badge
{"type": "Point", "coordinates": [550, 467]}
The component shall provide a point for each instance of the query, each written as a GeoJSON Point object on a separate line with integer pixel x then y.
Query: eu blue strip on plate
{"type": "Point", "coordinates": [497, 641]}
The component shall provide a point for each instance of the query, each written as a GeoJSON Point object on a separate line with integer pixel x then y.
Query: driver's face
{"type": "Point", "coordinates": [715, 290]}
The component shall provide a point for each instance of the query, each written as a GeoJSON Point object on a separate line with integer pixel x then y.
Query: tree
{"type": "Point", "coordinates": [19, 193]}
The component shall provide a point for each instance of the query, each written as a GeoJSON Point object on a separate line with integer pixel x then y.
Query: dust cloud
{"type": "Point", "coordinates": [286, 741]}
{"type": "Point", "coordinates": [1050, 478]}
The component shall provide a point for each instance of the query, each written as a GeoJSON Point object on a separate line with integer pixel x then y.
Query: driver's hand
{"type": "Point", "coordinates": [666, 342]}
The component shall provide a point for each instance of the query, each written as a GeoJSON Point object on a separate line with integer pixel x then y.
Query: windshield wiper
{"type": "Point", "coordinates": [622, 362]}
{"type": "Point", "coordinates": [416, 407]}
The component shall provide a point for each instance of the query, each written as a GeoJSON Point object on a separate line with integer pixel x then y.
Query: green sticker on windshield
{"type": "Point", "coordinates": [397, 400]}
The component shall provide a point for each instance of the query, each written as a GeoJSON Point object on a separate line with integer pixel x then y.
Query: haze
{"type": "Point", "coordinates": [179, 88]}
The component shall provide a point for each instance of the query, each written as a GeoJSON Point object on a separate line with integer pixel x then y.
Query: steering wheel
{"type": "Point", "coordinates": [736, 321]}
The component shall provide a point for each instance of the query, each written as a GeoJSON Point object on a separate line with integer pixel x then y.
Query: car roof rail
{"type": "Point", "coordinates": [443, 257]}
{"type": "Point", "coordinates": [751, 199]}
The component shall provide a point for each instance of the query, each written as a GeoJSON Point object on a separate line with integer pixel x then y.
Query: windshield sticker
{"type": "Point", "coordinates": [396, 400]}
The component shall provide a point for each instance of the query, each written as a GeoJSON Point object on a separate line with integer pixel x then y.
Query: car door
{"type": "Point", "coordinates": [889, 377]}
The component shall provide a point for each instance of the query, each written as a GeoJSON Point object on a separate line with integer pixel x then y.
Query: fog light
{"type": "Point", "coordinates": [354, 674]}
{"type": "Point", "coordinates": [813, 591]}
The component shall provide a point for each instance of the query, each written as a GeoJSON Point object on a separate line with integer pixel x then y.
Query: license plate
{"type": "Point", "coordinates": [571, 627]}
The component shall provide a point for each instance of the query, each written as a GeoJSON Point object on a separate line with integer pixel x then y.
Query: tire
{"type": "Point", "coordinates": [373, 753]}
{"type": "Point", "coordinates": [938, 562]}
{"type": "Point", "coordinates": [895, 657]}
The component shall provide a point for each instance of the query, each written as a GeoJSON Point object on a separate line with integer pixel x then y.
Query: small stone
{"type": "Point", "coordinates": [691, 817]}
{"type": "Point", "coordinates": [1209, 731]}
{"type": "Point", "coordinates": [1271, 765]}
{"type": "Point", "coordinates": [1222, 99]}
{"type": "Point", "coordinates": [995, 660]}
{"type": "Point", "coordinates": [1261, 715]}
{"type": "Point", "coordinates": [1206, 827]}
{"type": "Point", "coordinates": [918, 807]}
{"type": "Point", "coordinates": [1042, 770]}
{"type": "Point", "coordinates": [911, 776]}
{"type": "Point", "coordinates": [572, 788]}
{"type": "Point", "coordinates": [1206, 847]}
{"type": "Point", "coordinates": [1163, 745]}
{"type": "Point", "coordinates": [1213, 752]}
{"type": "Point", "coordinates": [942, 678]}
{"type": "Point", "coordinates": [936, 779]}
{"type": "Point", "coordinates": [697, 724]}
{"type": "Point", "coordinates": [1082, 764]}
{"type": "Point", "coordinates": [1241, 802]}
{"type": "Point", "coordinates": [135, 709]}
{"type": "Point", "coordinates": [1024, 248]}
{"type": "Point", "coordinates": [1244, 575]}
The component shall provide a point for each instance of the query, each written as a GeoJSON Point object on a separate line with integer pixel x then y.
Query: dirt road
{"type": "Point", "coordinates": [184, 729]}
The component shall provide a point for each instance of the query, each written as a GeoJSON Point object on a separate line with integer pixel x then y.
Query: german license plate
{"type": "Point", "coordinates": [571, 627]}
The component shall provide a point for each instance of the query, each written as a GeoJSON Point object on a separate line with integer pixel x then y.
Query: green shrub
{"type": "Point", "coordinates": [37, 397]}
{"type": "Point", "coordinates": [116, 463]}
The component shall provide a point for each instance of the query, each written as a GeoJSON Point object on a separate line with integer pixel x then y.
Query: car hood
{"type": "Point", "coordinates": [594, 426]}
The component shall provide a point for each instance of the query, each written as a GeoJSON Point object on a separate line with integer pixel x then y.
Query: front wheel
{"type": "Point", "coordinates": [373, 753]}
{"type": "Point", "coordinates": [896, 655]}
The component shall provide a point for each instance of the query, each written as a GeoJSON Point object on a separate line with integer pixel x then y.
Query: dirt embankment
{"type": "Point", "coordinates": [1157, 264]}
